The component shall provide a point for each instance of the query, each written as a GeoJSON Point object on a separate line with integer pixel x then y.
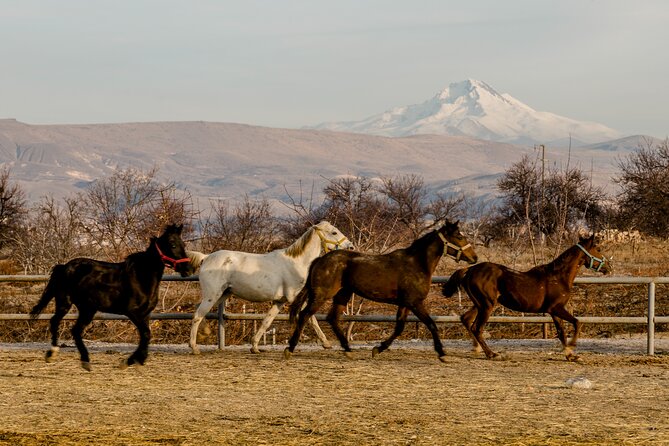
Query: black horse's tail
{"type": "Point", "coordinates": [58, 279]}
{"type": "Point", "coordinates": [298, 303]}
{"type": "Point", "coordinates": [452, 285]}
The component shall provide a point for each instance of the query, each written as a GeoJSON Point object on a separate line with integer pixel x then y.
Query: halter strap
{"type": "Point", "coordinates": [592, 259]}
{"type": "Point", "coordinates": [458, 249]}
{"type": "Point", "coordinates": [169, 261]}
{"type": "Point", "coordinates": [325, 242]}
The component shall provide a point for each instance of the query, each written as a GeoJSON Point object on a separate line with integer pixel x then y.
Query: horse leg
{"type": "Point", "coordinates": [85, 318]}
{"type": "Point", "coordinates": [402, 313]}
{"type": "Point", "coordinates": [569, 347]}
{"type": "Point", "coordinates": [210, 298]}
{"type": "Point", "coordinates": [266, 322]}
{"type": "Point", "coordinates": [338, 306]}
{"type": "Point", "coordinates": [140, 354]}
{"type": "Point", "coordinates": [467, 320]}
{"type": "Point", "coordinates": [309, 310]}
{"type": "Point", "coordinates": [424, 316]}
{"type": "Point", "coordinates": [321, 336]}
{"type": "Point", "coordinates": [62, 307]}
{"type": "Point", "coordinates": [477, 330]}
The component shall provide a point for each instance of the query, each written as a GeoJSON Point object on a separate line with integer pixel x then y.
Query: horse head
{"type": "Point", "coordinates": [172, 250]}
{"type": "Point", "coordinates": [455, 244]}
{"type": "Point", "coordinates": [331, 237]}
{"type": "Point", "coordinates": [594, 259]}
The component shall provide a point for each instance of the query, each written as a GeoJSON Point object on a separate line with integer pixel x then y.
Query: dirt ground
{"type": "Point", "coordinates": [404, 396]}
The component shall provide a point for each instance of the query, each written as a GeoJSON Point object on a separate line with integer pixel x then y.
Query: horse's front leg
{"type": "Point", "coordinates": [209, 299]}
{"type": "Point", "coordinates": [402, 313]}
{"type": "Point", "coordinates": [141, 353]}
{"type": "Point", "coordinates": [266, 322]}
{"type": "Point", "coordinates": [422, 313]}
{"type": "Point", "coordinates": [308, 311]}
{"type": "Point", "coordinates": [321, 336]}
{"type": "Point", "coordinates": [568, 347]}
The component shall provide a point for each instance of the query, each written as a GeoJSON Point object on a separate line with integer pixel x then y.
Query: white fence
{"type": "Point", "coordinates": [649, 319]}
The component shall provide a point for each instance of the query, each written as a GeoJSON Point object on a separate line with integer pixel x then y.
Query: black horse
{"type": "Point", "coordinates": [129, 288]}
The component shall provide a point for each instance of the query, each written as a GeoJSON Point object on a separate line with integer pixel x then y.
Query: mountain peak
{"type": "Point", "coordinates": [473, 108]}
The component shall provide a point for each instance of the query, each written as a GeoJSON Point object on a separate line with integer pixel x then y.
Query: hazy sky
{"type": "Point", "coordinates": [294, 63]}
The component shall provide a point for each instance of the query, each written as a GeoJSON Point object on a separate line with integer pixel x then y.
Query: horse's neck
{"type": "Point", "coordinates": [565, 266]}
{"type": "Point", "coordinates": [312, 249]}
{"type": "Point", "coordinates": [427, 250]}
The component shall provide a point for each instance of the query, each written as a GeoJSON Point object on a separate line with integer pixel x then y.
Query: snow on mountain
{"type": "Point", "coordinates": [473, 108]}
{"type": "Point", "coordinates": [222, 161]}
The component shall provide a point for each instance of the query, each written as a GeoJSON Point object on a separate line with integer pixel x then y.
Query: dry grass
{"type": "Point", "coordinates": [405, 396]}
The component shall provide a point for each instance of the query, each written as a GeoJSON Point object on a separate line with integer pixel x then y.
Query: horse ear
{"type": "Point", "coordinates": [179, 228]}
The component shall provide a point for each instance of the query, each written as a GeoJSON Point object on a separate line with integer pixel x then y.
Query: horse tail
{"type": "Point", "coordinates": [58, 278]}
{"type": "Point", "coordinates": [298, 303]}
{"type": "Point", "coordinates": [196, 258]}
{"type": "Point", "coordinates": [453, 283]}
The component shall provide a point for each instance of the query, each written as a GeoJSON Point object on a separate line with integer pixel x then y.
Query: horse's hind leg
{"type": "Point", "coordinates": [402, 313]}
{"type": "Point", "coordinates": [467, 320]}
{"type": "Point", "coordinates": [339, 303]}
{"type": "Point", "coordinates": [62, 307]}
{"type": "Point", "coordinates": [308, 311]}
{"type": "Point", "coordinates": [424, 316]}
{"type": "Point", "coordinates": [85, 318]}
{"type": "Point", "coordinates": [477, 330]}
{"type": "Point", "coordinates": [264, 326]}
{"type": "Point", "coordinates": [210, 297]}
{"type": "Point", "coordinates": [140, 354]}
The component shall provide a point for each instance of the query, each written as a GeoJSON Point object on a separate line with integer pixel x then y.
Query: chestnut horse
{"type": "Point", "coordinates": [542, 289]}
{"type": "Point", "coordinates": [129, 288]}
{"type": "Point", "coordinates": [401, 277]}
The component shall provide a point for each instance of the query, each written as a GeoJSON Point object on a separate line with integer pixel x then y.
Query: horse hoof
{"type": "Point", "coordinates": [195, 350]}
{"type": "Point", "coordinates": [254, 349]}
{"type": "Point", "coordinates": [50, 357]}
{"type": "Point", "coordinates": [496, 357]}
{"type": "Point", "coordinates": [443, 358]}
{"type": "Point", "coordinates": [572, 357]}
{"type": "Point", "coordinates": [86, 366]}
{"type": "Point", "coordinates": [327, 346]}
{"type": "Point", "coordinates": [123, 364]}
{"type": "Point", "coordinates": [287, 353]}
{"type": "Point", "coordinates": [375, 352]}
{"type": "Point", "coordinates": [349, 355]}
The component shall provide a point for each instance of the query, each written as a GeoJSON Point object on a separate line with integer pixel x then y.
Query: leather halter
{"type": "Point", "coordinates": [169, 261]}
{"type": "Point", "coordinates": [325, 242]}
{"type": "Point", "coordinates": [593, 259]}
{"type": "Point", "coordinates": [458, 249]}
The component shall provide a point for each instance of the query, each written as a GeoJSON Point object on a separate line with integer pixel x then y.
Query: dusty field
{"type": "Point", "coordinates": [405, 396]}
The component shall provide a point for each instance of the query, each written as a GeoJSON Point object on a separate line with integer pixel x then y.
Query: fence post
{"type": "Point", "coordinates": [651, 319]}
{"type": "Point", "coordinates": [221, 325]}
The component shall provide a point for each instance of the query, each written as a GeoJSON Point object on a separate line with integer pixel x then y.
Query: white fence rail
{"type": "Point", "coordinates": [649, 319]}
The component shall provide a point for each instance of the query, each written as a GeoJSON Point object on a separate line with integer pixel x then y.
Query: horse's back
{"type": "Point", "coordinates": [251, 276]}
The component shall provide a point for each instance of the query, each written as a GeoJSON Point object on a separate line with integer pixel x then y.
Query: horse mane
{"type": "Point", "coordinates": [297, 248]}
{"type": "Point", "coordinates": [421, 242]}
{"type": "Point", "coordinates": [196, 258]}
{"type": "Point", "coordinates": [559, 262]}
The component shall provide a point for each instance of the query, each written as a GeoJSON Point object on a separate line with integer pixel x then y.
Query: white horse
{"type": "Point", "coordinates": [276, 276]}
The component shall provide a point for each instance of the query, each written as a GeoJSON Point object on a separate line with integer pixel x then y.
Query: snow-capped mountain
{"type": "Point", "coordinates": [473, 108]}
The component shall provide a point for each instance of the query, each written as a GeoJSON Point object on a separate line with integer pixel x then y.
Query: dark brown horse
{"type": "Point", "coordinates": [401, 278]}
{"type": "Point", "coordinates": [542, 289]}
{"type": "Point", "coordinates": [129, 288]}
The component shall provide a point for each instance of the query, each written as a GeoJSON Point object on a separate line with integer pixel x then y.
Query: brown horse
{"type": "Point", "coordinates": [401, 277]}
{"type": "Point", "coordinates": [542, 289]}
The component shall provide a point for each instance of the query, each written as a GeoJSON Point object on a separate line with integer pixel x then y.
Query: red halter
{"type": "Point", "coordinates": [169, 261]}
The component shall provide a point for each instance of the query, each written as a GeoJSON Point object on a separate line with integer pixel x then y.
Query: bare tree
{"type": "Point", "coordinates": [12, 207]}
{"type": "Point", "coordinates": [122, 209]}
{"type": "Point", "coordinates": [248, 226]}
{"type": "Point", "coordinates": [644, 199]}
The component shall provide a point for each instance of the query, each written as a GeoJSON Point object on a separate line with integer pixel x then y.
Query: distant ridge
{"type": "Point", "coordinates": [473, 108]}
{"type": "Point", "coordinates": [223, 161]}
